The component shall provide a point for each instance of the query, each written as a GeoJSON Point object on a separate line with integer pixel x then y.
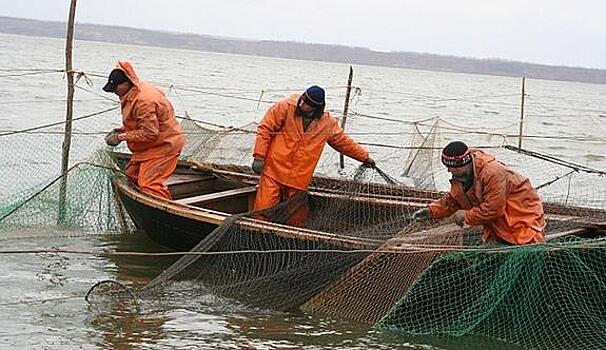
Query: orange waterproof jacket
{"type": "Point", "coordinates": [290, 154]}
{"type": "Point", "coordinates": [149, 120]}
{"type": "Point", "coordinates": [501, 200]}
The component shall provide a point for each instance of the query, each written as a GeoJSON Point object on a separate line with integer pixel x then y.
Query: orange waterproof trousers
{"type": "Point", "coordinates": [271, 192]}
{"type": "Point", "coordinates": [151, 174]}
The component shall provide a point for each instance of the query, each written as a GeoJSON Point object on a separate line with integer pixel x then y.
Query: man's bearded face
{"type": "Point", "coordinates": [304, 110]}
{"type": "Point", "coordinates": [462, 174]}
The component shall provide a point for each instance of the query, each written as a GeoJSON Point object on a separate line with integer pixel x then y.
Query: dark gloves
{"type": "Point", "coordinates": [370, 162]}
{"type": "Point", "coordinates": [112, 138]}
{"type": "Point", "coordinates": [421, 214]}
{"type": "Point", "coordinates": [257, 166]}
{"type": "Point", "coordinates": [459, 218]}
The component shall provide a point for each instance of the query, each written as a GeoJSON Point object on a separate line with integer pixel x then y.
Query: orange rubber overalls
{"type": "Point", "coordinates": [501, 200]}
{"type": "Point", "coordinates": [291, 154]}
{"type": "Point", "coordinates": [152, 133]}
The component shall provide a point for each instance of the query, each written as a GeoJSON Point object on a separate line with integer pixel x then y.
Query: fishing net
{"type": "Point", "coordinates": [362, 259]}
{"type": "Point", "coordinates": [280, 257]}
{"type": "Point", "coordinates": [347, 248]}
{"type": "Point", "coordinates": [95, 209]}
{"type": "Point", "coordinates": [35, 196]}
{"type": "Point", "coordinates": [357, 256]}
{"type": "Point", "coordinates": [538, 297]}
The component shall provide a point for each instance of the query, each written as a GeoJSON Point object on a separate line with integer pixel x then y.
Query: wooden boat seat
{"type": "Point", "coordinates": [180, 179]}
{"type": "Point", "coordinates": [210, 197]}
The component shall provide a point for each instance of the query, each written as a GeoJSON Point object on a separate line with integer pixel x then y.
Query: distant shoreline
{"type": "Point", "coordinates": [302, 51]}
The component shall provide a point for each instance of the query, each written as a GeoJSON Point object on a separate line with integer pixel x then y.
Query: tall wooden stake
{"type": "Point", "coordinates": [67, 138]}
{"type": "Point", "coordinates": [522, 113]}
{"type": "Point", "coordinates": [345, 111]}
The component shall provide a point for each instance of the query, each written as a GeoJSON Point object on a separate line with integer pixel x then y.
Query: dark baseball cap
{"type": "Point", "coordinates": [116, 77]}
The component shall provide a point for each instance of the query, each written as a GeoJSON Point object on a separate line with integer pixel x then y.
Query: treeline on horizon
{"type": "Point", "coordinates": [302, 51]}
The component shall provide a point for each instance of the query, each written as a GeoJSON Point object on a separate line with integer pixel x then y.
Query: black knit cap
{"type": "Point", "coordinates": [116, 77]}
{"type": "Point", "coordinates": [456, 154]}
{"type": "Point", "coordinates": [314, 96]}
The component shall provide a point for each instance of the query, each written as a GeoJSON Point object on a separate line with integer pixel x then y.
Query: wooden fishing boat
{"type": "Point", "coordinates": [204, 196]}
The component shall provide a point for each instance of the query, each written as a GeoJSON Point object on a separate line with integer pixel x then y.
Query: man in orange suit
{"type": "Point", "coordinates": [149, 128]}
{"type": "Point", "coordinates": [486, 192]}
{"type": "Point", "coordinates": [290, 141]}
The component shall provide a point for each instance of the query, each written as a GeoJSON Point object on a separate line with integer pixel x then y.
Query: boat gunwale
{"type": "Point", "coordinates": [124, 186]}
{"type": "Point", "coordinates": [192, 167]}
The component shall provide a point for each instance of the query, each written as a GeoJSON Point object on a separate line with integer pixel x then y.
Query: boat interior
{"type": "Point", "coordinates": [237, 195]}
{"type": "Point", "coordinates": [234, 193]}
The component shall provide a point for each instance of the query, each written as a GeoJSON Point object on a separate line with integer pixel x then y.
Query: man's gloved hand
{"type": "Point", "coordinates": [421, 214]}
{"type": "Point", "coordinates": [257, 166]}
{"type": "Point", "coordinates": [370, 162]}
{"type": "Point", "coordinates": [112, 138]}
{"type": "Point", "coordinates": [459, 218]}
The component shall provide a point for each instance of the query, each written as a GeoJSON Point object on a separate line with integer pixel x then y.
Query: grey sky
{"type": "Point", "coordinates": [561, 32]}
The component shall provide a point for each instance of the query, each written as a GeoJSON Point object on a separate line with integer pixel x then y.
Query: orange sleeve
{"type": "Point", "coordinates": [148, 127]}
{"type": "Point", "coordinates": [493, 204]}
{"type": "Point", "coordinates": [444, 207]}
{"type": "Point", "coordinates": [270, 124]}
{"type": "Point", "coordinates": [345, 144]}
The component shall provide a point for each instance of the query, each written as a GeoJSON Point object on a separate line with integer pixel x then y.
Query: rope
{"type": "Point", "coordinates": [50, 100]}
{"type": "Point", "coordinates": [58, 123]}
{"type": "Point", "coordinates": [173, 88]}
{"type": "Point", "coordinates": [442, 98]}
{"type": "Point", "coordinates": [415, 147]}
{"type": "Point", "coordinates": [96, 94]}
{"type": "Point", "coordinates": [226, 96]}
{"type": "Point", "coordinates": [390, 180]}
{"type": "Point", "coordinates": [225, 128]}
{"type": "Point", "coordinates": [554, 180]}
{"type": "Point", "coordinates": [29, 69]}
{"type": "Point", "coordinates": [85, 75]}
{"type": "Point", "coordinates": [555, 160]}
{"type": "Point", "coordinates": [31, 73]}
{"type": "Point", "coordinates": [354, 113]}
{"type": "Point", "coordinates": [407, 248]}
{"type": "Point", "coordinates": [480, 132]}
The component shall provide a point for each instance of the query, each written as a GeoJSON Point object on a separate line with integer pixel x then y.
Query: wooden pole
{"type": "Point", "coordinates": [522, 113]}
{"type": "Point", "coordinates": [69, 110]}
{"type": "Point", "coordinates": [345, 111]}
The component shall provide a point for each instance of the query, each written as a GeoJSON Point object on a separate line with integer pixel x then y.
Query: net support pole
{"type": "Point", "coordinates": [521, 132]}
{"type": "Point", "coordinates": [69, 110]}
{"type": "Point", "coordinates": [345, 111]}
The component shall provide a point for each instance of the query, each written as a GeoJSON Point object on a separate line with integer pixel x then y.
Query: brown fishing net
{"type": "Point", "coordinates": [356, 255]}
{"type": "Point", "coordinates": [260, 259]}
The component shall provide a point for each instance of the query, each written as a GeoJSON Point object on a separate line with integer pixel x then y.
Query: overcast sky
{"type": "Point", "coordinates": [560, 32]}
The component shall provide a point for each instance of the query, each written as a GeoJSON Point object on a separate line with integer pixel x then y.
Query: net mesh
{"type": "Point", "coordinates": [539, 297]}
{"type": "Point", "coordinates": [271, 263]}
{"type": "Point", "coordinates": [355, 254]}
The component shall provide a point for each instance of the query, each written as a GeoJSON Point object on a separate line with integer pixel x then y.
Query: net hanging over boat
{"type": "Point", "coordinates": [355, 254]}
{"type": "Point", "coordinates": [379, 268]}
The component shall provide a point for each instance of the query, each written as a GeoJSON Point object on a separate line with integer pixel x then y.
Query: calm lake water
{"type": "Point", "coordinates": [42, 295]}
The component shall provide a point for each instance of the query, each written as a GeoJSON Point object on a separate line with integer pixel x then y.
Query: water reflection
{"type": "Point", "coordinates": [121, 322]}
{"type": "Point", "coordinates": [187, 315]}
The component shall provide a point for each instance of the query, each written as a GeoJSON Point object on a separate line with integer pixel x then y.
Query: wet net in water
{"type": "Point", "coordinates": [347, 248]}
